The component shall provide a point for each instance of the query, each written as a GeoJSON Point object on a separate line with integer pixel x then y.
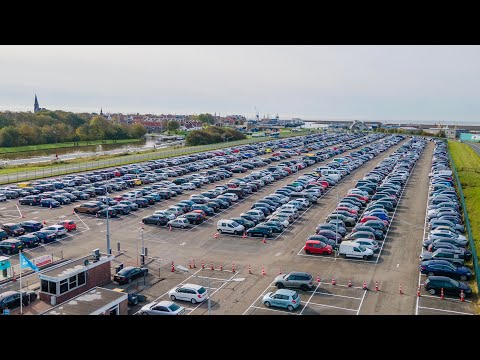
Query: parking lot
{"type": "Point", "coordinates": [396, 264]}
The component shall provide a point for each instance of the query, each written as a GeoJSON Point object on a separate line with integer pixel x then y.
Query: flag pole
{"type": "Point", "coordinates": [21, 302]}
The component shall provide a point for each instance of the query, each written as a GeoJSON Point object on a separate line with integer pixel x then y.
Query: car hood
{"type": "Point", "coordinates": [280, 277]}
{"type": "Point", "coordinates": [426, 255]}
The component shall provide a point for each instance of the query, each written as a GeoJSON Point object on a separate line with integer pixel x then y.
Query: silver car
{"type": "Point", "coordinates": [162, 308]}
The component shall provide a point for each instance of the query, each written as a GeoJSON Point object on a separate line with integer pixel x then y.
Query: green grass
{"type": "Point", "coordinates": [467, 161]}
{"type": "Point", "coordinates": [7, 150]}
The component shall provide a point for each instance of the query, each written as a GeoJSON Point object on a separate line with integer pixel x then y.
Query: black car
{"type": "Point", "coordinates": [30, 200]}
{"type": "Point", "coordinates": [13, 229]}
{"type": "Point", "coordinates": [29, 240]}
{"type": "Point", "coordinates": [31, 225]}
{"type": "Point", "coordinates": [129, 273]}
{"type": "Point", "coordinates": [141, 202]}
{"type": "Point", "coordinates": [10, 246]}
{"type": "Point", "coordinates": [122, 209]}
{"type": "Point", "coordinates": [434, 284]}
{"type": "Point", "coordinates": [445, 268]}
{"type": "Point", "coordinates": [103, 212]}
{"type": "Point", "coordinates": [157, 219]}
{"type": "Point", "coordinates": [3, 235]}
{"type": "Point", "coordinates": [275, 226]}
{"type": "Point", "coordinates": [260, 230]}
{"type": "Point", "coordinates": [46, 236]}
{"type": "Point", "coordinates": [11, 299]}
{"type": "Point", "coordinates": [194, 218]}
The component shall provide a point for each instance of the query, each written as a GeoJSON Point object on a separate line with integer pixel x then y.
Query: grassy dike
{"type": "Point", "coordinates": [466, 161]}
{"type": "Point", "coordinates": [71, 144]}
{"type": "Point", "coordinates": [125, 158]}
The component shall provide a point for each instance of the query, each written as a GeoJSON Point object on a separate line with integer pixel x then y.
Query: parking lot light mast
{"type": "Point", "coordinates": [109, 250]}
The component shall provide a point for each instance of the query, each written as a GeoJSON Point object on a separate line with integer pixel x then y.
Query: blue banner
{"type": "Point", "coordinates": [25, 263]}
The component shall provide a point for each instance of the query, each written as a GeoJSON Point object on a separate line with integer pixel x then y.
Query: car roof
{"type": "Point", "coordinates": [285, 292]}
{"type": "Point", "coordinates": [192, 286]}
{"type": "Point", "coordinates": [299, 273]}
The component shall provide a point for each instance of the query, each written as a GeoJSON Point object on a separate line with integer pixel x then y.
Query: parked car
{"type": "Point", "coordinates": [13, 229]}
{"type": "Point", "coordinates": [188, 292]}
{"type": "Point", "coordinates": [46, 236]}
{"type": "Point", "coordinates": [230, 227]}
{"type": "Point", "coordinates": [48, 202]}
{"type": "Point", "coordinates": [283, 298]}
{"type": "Point", "coordinates": [11, 299]}
{"type": "Point", "coordinates": [59, 230]}
{"type": "Point", "coordinates": [70, 225]}
{"type": "Point", "coordinates": [87, 208]}
{"type": "Point", "coordinates": [260, 230]}
{"type": "Point", "coordinates": [31, 225]}
{"type": "Point", "coordinates": [156, 219]}
{"type": "Point", "coordinates": [179, 222]}
{"type": "Point", "coordinates": [294, 279]}
{"type": "Point", "coordinates": [129, 273]}
{"type": "Point", "coordinates": [10, 246]}
{"type": "Point", "coordinates": [434, 284]}
{"type": "Point", "coordinates": [164, 307]}
{"type": "Point", "coordinates": [445, 268]}
{"type": "Point", "coordinates": [317, 247]}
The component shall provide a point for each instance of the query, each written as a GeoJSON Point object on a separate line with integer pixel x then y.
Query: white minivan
{"type": "Point", "coordinates": [229, 227]}
{"type": "Point", "coordinates": [352, 249]}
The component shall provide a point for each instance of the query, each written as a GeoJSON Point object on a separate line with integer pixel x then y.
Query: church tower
{"type": "Point", "coordinates": [36, 107]}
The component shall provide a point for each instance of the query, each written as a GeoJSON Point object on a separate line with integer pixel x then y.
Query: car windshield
{"type": "Point", "coordinates": [124, 272]}
{"type": "Point", "coordinates": [234, 223]}
{"type": "Point", "coordinates": [201, 290]}
{"type": "Point", "coordinates": [174, 307]}
{"type": "Point", "coordinates": [362, 248]}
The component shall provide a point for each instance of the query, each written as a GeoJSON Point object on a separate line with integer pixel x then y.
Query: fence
{"type": "Point", "coordinates": [125, 160]}
{"type": "Point", "coordinates": [467, 221]}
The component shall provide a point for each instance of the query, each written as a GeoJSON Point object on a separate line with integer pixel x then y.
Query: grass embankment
{"type": "Point", "coordinates": [9, 150]}
{"type": "Point", "coordinates": [155, 154]}
{"type": "Point", "coordinates": [467, 161]}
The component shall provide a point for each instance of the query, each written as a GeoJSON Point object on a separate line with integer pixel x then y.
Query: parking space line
{"type": "Point", "coordinates": [361, 302]}
{"type": "Point", "coordinates": [335, 307]}
{"type": "Point", "coordinates": [446, 298]}
{"type": "Point", "coordinates": [270, 309]}
{"type": "Point", "coordinates": [79, 218]}
{"type": "Point", "coordinates": [310, 298]}
{"type": "Point", "coordinates": [449, 311]}
{"type": "Point", "coordinates": [343, 296]}
{"type": "Point", "coordinates": [259, 296]}
{"type": "Point", "coordinates": [214, 278]}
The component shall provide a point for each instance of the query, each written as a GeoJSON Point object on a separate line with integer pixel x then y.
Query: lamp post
{"type": "Point", "coordinates": [109, 250]}
{"type": "Point", "coordinates": [184, 269]}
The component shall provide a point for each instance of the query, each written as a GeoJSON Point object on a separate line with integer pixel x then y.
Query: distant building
{"type": "Point", "coordinates": [36, 106]}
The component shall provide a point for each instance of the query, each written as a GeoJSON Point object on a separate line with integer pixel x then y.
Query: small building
{"type": "Point", "coordinates": [68, 280]}
{"type": "Point", "coordinates": [96, 301]}
{"type": "Point", "coordinates": [470, 137]}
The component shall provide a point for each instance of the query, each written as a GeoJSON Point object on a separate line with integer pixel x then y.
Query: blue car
{"type": "Point", "coordinates": [445, 268]}
{"type": "Point", "coordinates": [283, 298]}
{"type": "Point", "coordinates": [381, 215]}
{"type": "Point", "coordinates": [49, 203]}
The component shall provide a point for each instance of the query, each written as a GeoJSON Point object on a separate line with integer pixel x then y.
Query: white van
{"type": "Point", "coordinates": [368, 243]}
{"type": "Point", "coordinates": [441, 172]}
{"type": "Point", "coordinates": [229, 227]}
{"type": "Point", "coordinates": [352, 249]}
{"type": "Point", "coordinates": [334, 174]}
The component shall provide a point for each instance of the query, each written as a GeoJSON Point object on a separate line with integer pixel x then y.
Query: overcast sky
{"type": "Point", "coordinates": [310, 82]}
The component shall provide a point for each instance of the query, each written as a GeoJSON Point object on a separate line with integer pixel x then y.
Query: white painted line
{"type": "Point", "coordinates": [334, 307]}
{"type": "Point", "coordinates": [278, 254]}
{"type": "Point", "coordinates": [450, 311]}
{"type": "Point", "coordinates": [270, 309]}
{"type": "Point", "coordinates": [398, 265]}
{"type": "Point", "coordinates": [19, 211]}
{"type": "Point", "coordinates": [35, 212]}
{"type": "Point", "coordinates": [446, 298]}
{"type": "Point", "coordinates": [214, 278]}
{"type": "Point", "coordinates": [259, 296]}
{"type": "Point", "coordinates": [82, 221]}
{"type": "Point", "coordinates": [361, 302]}
{"type": "Point", "coordinates": [343, 296]}
{"type": "Point", "coordinates": [182, 244]}
{"type": "Point", "coordinates": [310, 298]}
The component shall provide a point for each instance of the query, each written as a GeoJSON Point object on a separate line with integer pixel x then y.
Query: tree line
{"type": "Point", "coordinates": [213, 134]}
{"type": "Point", "coordinates": [48, 127]}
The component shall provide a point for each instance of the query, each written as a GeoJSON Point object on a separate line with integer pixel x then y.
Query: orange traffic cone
{"type": "Point", "coordinates": [244, 235]}
{"type": "Point", "coordinates": [44, 222]}
{"type": "Point", "coordinates": [333, 281]}
{"type": "Point", "coordinates": [462, 296]}
{"type": "Point", "coordinates": [442, 295]}
{"type": "Point", "coordinates": [203, 265]}
{"type": "Point", "coordinates": [173, 267]}
{"type": "Point", "coordinates": [376, 285]}
{"type": "Point", "coordinates": [400, 289]}
{"type": "Point", "coordinates": [216, 235]}
{"type": "Point", "coordinates": [189, 264]}
{"type": "Point", "coordinates": [364, 287]}
{"type": "Point", "coordinates": [169, 227]}
{"type": "Point", "coordinates": [418, 291]}
{"type": "Point", "coordinates": [263, 271]}
{"type": "Point", "coordinates": [280, 271]}
{"type": "Point", "coordinates": [211, 266]}
{"type": "Point", "coordinates": [249, 269]}
{"type": "Point", "coordinates": [194, 266]}
{"type": "Point", "coordinates": [221, 267]}
{"type": "Point", "coordinates": [73, 212]}
{"type": "Point", "coordinates": [349, 283]}
{"type": "Point", "coordinates": [50, 206]}
{"type": "Point", "coordinates": [318, 279]}
{"type": "Point", "coordinates": [264, 240]}
{"type": "Point", "coordinates": [233, 268]}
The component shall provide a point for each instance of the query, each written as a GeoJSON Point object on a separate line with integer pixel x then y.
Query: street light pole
{"type": "Point", "coordinates": [143, 249]}
{"type": "Point", "coordinates": [109, 250]}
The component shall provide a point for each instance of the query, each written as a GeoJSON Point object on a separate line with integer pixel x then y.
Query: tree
{"type": "Point", "coordinates": [206, 119]}
{"type": "Point", "coordinates": [84, 132]}
{"type": "Point", "coordinates": [173, 126]}
{"type": "Point", "coordinates": [99, 127]}
{"type": "Point", "coordinates": [9, 136]}
{"type": "Point", "coordinates": [137, 131]}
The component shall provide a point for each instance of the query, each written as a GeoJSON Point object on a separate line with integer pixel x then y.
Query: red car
{"type": "Point", "coordinates": [317, 247]}
{"type": "Point", "coordinates": [118, 198]}
{"type": "Point", "coordinates": [351, 211]}
{"type": "Point", "coordinates": [358, 196]}
{"type": "Point", "coordinates": [68, 224]}
{"type": "Point", "coordinates": [366, 218]}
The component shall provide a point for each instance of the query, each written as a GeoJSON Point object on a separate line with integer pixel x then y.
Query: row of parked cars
{"type": "Point", "coordinates": [275, 212]}
{"type": "Point", "coordinates": [446, 246]}
{"type": "Point", "coordinates": [329, 235]}
{"type": "Point", "coordinates": [15, 237]}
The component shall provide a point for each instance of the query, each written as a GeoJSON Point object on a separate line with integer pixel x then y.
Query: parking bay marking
{"type": "Point", "coordinates": [450, 311]}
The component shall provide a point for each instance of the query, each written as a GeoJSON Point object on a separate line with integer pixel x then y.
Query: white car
{"type": "Point", "coordinates": [220, 190]}
{"type": "Point", "coordinates": [176, 209]}
{"type": "Point", "coordinates": [180, 222]}
{"type": "Point", "coordinates": [282, 219]}
{"type": "Point", "coordinates": [169, 216]}
{"type": "Point", "coordinates": [368, 243]}
{"type": "Point", "coordinates": [188, 292]}
{"type": "Point", "coordinates": [258, 214]}
{"type": "Point", "coordinates": [162, 308]}
{"type": "Point", "coordinates": [231, 196]}
{"type": "Point", "coordinates": [3, 197]}
{"type": "Point", "coordinates": [188, 186]}
{"type": "Point", "coordinates": [59, 229]}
